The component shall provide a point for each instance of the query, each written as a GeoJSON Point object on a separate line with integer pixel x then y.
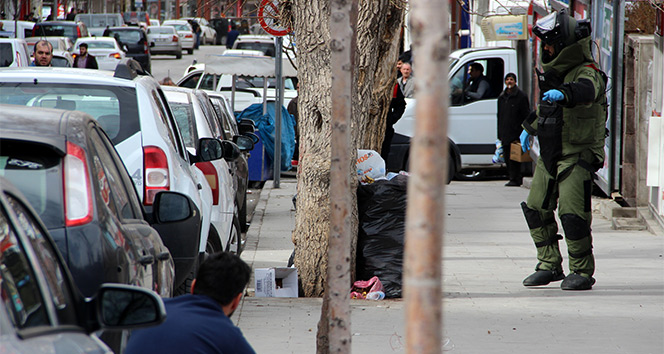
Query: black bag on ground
{"type": "Point", "coordinates": [381, 234]}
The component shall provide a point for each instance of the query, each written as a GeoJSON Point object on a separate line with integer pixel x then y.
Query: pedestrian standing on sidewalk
{"type": "Point", "coordinates": [513, 109]}
{"type": "Point", "coordinates": [570, 125]}
{"type": "Point", "coordinates": [200, 322]}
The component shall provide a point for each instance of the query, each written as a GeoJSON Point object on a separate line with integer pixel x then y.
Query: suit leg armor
{"type": "Point", "coordinates": [539, 213]}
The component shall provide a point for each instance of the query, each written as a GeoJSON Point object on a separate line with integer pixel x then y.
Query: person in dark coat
{"type": "Point", "coordinates": [513, 109]}
{"type": "Point", "coordinates": [84, 59]}
{"type": "Point", "coordinates": [394, 113]}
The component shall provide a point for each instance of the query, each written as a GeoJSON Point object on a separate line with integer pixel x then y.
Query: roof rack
{"type": "Point", "coordinates": [129, 68]}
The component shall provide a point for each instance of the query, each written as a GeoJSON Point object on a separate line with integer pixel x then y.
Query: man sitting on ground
{"type": "Point", "coordinates": [200, 323]}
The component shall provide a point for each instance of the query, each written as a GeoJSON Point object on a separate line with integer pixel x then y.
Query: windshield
{"type": "Point", "coordinates": [107, 104]}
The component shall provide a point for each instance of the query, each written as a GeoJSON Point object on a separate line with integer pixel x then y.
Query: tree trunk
{"type": "Point", "coordinates": [311, 26]}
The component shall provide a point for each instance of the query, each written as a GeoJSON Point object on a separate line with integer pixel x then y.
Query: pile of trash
{"type": "Point", "coordinates": [381, 202]}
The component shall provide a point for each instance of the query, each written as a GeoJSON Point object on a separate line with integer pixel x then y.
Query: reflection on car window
{"type": "Point", "coordinates": [18, 286]}
{"type": "Point", "coordinates": [184, 117]}
{"type": "Point", "coordinates": [46, 255]}
{"type": "Point", "coordinates": [36, 171]}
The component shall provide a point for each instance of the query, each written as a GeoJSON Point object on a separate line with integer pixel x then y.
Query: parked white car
{"type": "Point", "coordinates": [208, 34]}
{"type": "Point", "coordinates": [164, 40]}
{"type": "Point", "coordinates": [196, 118]}
{"type": "Point", "coordinates": [106, 51]}
{"type": "Point", "coordinates": [186, 34]}
{"type": "Point", "coordinates": [135, 114]}
{"type": "Point", "coordinates": [14, 53]}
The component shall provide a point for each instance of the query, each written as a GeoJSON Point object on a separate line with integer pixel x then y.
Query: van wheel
{"type": "Point", "coordinates": [178, 55]}
{"type": "Point", "coordinates": [451, 169]}
{"type": "Point", "coordinates": [235, 242]}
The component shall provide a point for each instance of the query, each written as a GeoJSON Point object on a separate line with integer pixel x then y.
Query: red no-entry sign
{"type": "Point", "coordinates": [268, 17]}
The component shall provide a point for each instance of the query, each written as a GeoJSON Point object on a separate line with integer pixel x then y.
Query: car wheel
{"type": "Point", "coordinates": [470, 175]}
{"type": "Point", "coordinates": [185, 287]}
{"type": "Point", "coordinates": [235, 241]}
{"type": "Point", "coordinates": [190, 51]}
{"type": "Point", "coordinates": [178, 55]}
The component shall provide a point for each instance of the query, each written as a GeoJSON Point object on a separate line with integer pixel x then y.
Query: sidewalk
{"type": "Point", "coordinates": [487, 253]}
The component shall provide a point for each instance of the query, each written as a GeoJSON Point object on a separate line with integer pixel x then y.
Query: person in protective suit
{"type": "Point", "coordinates": [570, 125]}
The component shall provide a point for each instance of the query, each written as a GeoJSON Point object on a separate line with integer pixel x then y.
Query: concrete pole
{"type": "Point", "coordinates": [429, 151]}
{"type": "Point", "coordinates": [338, 272]}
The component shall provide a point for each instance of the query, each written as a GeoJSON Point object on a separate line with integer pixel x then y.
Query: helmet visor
{"type": "Point", "coordinates": [548, 29]}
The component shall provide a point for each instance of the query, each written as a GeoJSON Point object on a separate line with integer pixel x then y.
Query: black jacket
{"type": "Point", "coordinates": [513, 109]}
{"type": "Point", "coordinates": [90, 64]}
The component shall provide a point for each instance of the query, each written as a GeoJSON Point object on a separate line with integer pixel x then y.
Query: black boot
{"type": "Point", "coordinates": [543, 277]}
{"type": "Point", "coordinates": [577, 281]}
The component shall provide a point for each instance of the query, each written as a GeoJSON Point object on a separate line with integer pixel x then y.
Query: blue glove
{"type": "Point", "coordinates": [525, 141]}
{"type": "Point", "coordinates": [553, 96]}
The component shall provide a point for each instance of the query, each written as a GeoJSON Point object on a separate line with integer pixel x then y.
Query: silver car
{"type": "Point", "coordinates": [185, 33]}
{"type": "Point", "coordinates": [164, 40]}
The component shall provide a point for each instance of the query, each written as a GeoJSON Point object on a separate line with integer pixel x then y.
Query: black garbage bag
{"type": "Point", "coordinates": [381, 234]}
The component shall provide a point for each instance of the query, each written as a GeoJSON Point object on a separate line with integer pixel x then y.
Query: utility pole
{"type": "Point", "coordinates": [338, 272]}
{"type": "Point", "coordinates": [426, 185]}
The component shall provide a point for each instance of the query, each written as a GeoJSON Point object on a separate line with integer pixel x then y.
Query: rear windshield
{"type": "Point", "coordinates": [100, 45]}
{"type": "Point", "coordinates": [99, 20]}
{"type": "Point", "coordinates": [115, 108]}
{"type": "Point", "coordinates": [180, 27]}
{"type": "Point", "coordinates": [161, 30]}
{"type": "Point", "coordinates": [266, 48]}
{"type": "Point", "coordinates": [127, 36]}
{"type": "Point", "coordinates": [35, 170]}
{"type": "Point", "coordinates": [56, 30]}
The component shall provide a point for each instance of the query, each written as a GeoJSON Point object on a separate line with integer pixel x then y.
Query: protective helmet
{"type": "Point", "coordinates": [559, 30]}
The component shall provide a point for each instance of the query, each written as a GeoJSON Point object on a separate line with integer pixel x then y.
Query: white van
{"type": "Point", "coordinates": [24, 28]}
{"type": "Point", "coordinates": [472, 124]}
{"type": "Point", "coordinates": [14, 53]}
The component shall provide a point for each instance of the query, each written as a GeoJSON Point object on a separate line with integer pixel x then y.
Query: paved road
{"type": "Point", "coordinates": [168, 65]}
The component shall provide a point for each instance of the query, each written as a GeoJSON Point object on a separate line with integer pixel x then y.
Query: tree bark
{"type": "Point", "coordinates": [373, 81]}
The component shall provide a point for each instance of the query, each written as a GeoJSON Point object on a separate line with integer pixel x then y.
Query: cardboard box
{"type": "Point", "coordinates": [517, 155]}
{"type": "Point", "coordinates": [275, 282]}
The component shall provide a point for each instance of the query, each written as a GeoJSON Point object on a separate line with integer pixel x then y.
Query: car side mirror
{"type": "Point", "coordinates": [245, 127]}
{"type": "Point", "coordinates": [231, 151]}
{"type": "Point", "coordinates": [209, 149]}
{"type": "Point", "coordinates": [124, 306]}
{"type": "Point", "coordinates": [254, 138]}
{"type": "Point", "coordinates": [171, 207]}
{"type": "Point", "coordinates": [245, 143]}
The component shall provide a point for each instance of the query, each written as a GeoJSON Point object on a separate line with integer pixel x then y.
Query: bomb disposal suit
{"type": "Point", "coordinates": [570, 125]}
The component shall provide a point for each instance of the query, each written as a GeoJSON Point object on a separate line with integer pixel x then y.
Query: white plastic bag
{"type": "Point", "coordinates": [370, 165]}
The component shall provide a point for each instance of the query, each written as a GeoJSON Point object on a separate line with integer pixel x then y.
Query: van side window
{"type": "Point", "coordinates": [461, 83]}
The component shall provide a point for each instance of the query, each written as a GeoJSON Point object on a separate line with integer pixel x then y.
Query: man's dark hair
{"type": "Point", "coordinates": [512, 75]}
{"type": "Point", "coordinates": [83, 45]}
{"type": "Point", "coordinates": [477, 66]}
{"type": "Point", "coordinates": [42, 41]}
{"type": "Point", "coordinates": [222, 276]}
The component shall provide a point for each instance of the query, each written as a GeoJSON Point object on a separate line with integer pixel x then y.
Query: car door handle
{"type": "Point", "coordinates": [164, 256]}
{"type": "Point", "coordinates": [200, 186]}
{"type": "Point", "coordinates": [146, 260]}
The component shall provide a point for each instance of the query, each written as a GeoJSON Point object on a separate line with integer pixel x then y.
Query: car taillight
{"type": "Point", "coordinates": [175, 38]}
{"type": "Point", "coordinates": [78, 30]}
{"type": "Point", "coordinates": [115, 55]}
{"type": "Point", "coordinates": [188, 36]}
{"type": "Point", "coordinates": [212, 178]}
{"type": "Point", "coordinates": [155, 173]}
{"type": "Point", "coordinates": [146, 49]}
{"type": "Point", "coordinates": [77, 188]}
